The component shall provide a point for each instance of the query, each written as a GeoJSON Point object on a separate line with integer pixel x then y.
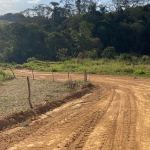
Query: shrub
{"type": "Point", "coordinates": [62, 54]}
{"type": "Point", "coordinates": [125, 57]}
{"type": "Point", "coordinates": [146, 59]}
{"type": "Point", "coordinates": [31, 59]}
{"type": "Point", "coordinates": [4, 76]}
{"type": "Point", "coordinates": [18, 66]}
{"type": "Point", "coordinates": [109, 53]}
{"type": "Point", "coordinates": [93, 54]}
{"type": "Point", "coordinates": [139, 72]}
{"type": "Point", "coordinates": [135, 60]}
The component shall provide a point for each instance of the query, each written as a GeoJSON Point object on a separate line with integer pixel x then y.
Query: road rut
{"type": "Point", "coordinates": [114, 116]}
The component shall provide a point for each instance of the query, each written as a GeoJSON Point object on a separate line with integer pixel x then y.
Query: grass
{"type": "Point", "coordinates": [99, 66]}
{"type": "Point", "coordinates": [5, 76]}
{"type": "Point", "coordinates": [14, 93]}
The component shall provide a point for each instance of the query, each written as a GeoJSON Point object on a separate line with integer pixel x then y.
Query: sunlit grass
{"type": "Point", "coordinates": [5, 76]}
{"type": "Point", "coordinates": [99, 66]}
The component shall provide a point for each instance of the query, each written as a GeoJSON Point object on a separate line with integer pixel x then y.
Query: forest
{"type": "Point", "coordinates": [76, 29]}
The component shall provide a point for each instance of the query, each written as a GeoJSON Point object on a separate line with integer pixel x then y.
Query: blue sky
{"type": "Point", "coordinates": [13, 6]}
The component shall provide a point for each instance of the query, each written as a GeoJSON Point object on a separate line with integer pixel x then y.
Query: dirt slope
{"type": "Point", "coordinates": [114, 116]}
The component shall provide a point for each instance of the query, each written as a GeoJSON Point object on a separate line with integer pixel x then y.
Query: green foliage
{"type": "Point", "coordinates": [31, 59]}
{"type": "Point", "coordinates": [85, 29]}
{"type": "Point", "coordinates": [125, 56]}
{"type": "Point", "coordinates": [93, 54]}
{"type": "Point", "coordinates": [109, 53]}
{"type": "Point", "coordinates": [62, 54]}
{"type": "Point", "coordinates": [82, 29]}
{"type": "Point", "coordinates": [5, 76]}
{"type": "Point", "coordinates": [128, 69]}
{"type": "Point", "coordinates": [145, 59]}
{"type": "Point", "coordinates": [99, 66]}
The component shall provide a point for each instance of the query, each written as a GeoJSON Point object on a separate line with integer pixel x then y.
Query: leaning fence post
{"type": "Point", "coordinates": [68, 76]}
{"type": "Point", "coordinates": [85, 76]}
{"type": "Point", "coordinates": [29, 90]}
{"type": "Point", "coordinates": [52, 74]}
{"type": "Point", "coordinates": [89, 79]}
{"type": "Point", "coordinates": [12, 73]}
{"type": "Point", "coordinates": [32, 74]}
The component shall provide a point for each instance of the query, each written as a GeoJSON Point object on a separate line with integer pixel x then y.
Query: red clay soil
{"type": "Point", "coordinates": [15, 118]}
{"type": "Point", "coordinates": [115, 115]}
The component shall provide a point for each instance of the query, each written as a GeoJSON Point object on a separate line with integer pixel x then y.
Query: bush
{"type": "Point", "coordinates": [109, 53]}
{"type": "Point", "coordinates": [93, 54]}
{"type": "Point", "coordinates": [4, 76]}
{"type": "Point", "coordinates": [31, 59]}
{"type": "Point", "coordinates": [125, 56]}
{"type": "Point", "coordinates": [135, 60]}
{"type": "Point", "coordinates": [139, 72]}
{"type": "Point", "coordinates": [146, 59]}
{"type": "Point", "coordinates": [18, 66]}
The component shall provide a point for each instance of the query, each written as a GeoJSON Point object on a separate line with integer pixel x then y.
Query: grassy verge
{"type": "Point", "coordinates": [5, 76]}
{"type": "Point", "coordinates": [100, 66]}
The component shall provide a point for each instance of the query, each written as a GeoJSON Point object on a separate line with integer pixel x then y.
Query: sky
{"type": "Point", "coordinates": [13, 6]}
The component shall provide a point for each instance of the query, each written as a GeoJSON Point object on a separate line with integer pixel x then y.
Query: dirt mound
{"type": "Point", "coordinates": [21, 116]}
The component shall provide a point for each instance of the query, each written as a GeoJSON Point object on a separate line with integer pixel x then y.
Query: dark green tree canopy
{"type": "Point", "coordinates": [76, 28]}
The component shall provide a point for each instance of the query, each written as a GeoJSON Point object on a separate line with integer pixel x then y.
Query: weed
{"type": "Point", "coordinates": [25, 124]}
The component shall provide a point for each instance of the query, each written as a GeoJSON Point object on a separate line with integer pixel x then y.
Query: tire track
{"type": "Point", "coordinates": [81, 135]}
{"type": "Point", "coordinates": [116, 118]}
{"type": "Point", "coordinates": [126, 127]}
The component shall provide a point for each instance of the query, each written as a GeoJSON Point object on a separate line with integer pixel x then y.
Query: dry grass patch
{"type": "Point", "coordinates": [14, 94]}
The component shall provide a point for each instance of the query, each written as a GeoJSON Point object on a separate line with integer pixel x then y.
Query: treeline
{"type": "Point", "coordinates": [82, 29]}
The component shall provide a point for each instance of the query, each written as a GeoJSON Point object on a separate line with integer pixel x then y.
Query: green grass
{"type": "Point", "coordinates": [99, 66]}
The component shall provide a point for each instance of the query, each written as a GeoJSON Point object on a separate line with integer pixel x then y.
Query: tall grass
{"type": "Point", "coordinates": [5, 76]}
{"type": "Point", "coordinates": [99, 66]}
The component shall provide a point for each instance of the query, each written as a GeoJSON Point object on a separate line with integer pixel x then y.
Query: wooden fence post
{"type": "Point", "coordinates": [89, 79]}
{"type": "Point", "coordinates": [68, 76]}
{"type": "Point", "coordinates": [29, 90]}
{"type": "Point", "coordinates": [12, 73]}
{"type": "Point", "coordinates": [85, 76]}
{"type": "Point", "coordinates": [52, 75]}
{"type": "Point", "coordinates": [32, 74]}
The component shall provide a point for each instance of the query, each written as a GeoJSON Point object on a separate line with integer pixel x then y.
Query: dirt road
{"type": "Point", "coordinates": [114, 116]}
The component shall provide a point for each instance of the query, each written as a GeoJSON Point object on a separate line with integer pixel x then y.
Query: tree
{"type": "Point", "coordinates": [109, 53]}
{"type": "Point", "coordinates": [55, 41]}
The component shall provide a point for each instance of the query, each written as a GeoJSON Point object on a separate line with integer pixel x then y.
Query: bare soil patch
{"type": "Point", "coordinates": [113, 116]}
{"type": "Point", "coordinates": [32, 114]}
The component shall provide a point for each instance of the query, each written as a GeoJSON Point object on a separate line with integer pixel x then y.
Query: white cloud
{"type": "Point", "coordinates": [33, 1]}
{"type": "Point", "coordinates": [9, 1]}
{"type": "Point", "coordinates": [13, 6]}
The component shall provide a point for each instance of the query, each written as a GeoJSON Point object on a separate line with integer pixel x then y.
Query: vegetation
{"type": "Point", "coordinates": [4, 76]}
{"type": "Point", "coordinates": [120, 65]}
{"type": "Point", "coordinates": [76, 29]}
